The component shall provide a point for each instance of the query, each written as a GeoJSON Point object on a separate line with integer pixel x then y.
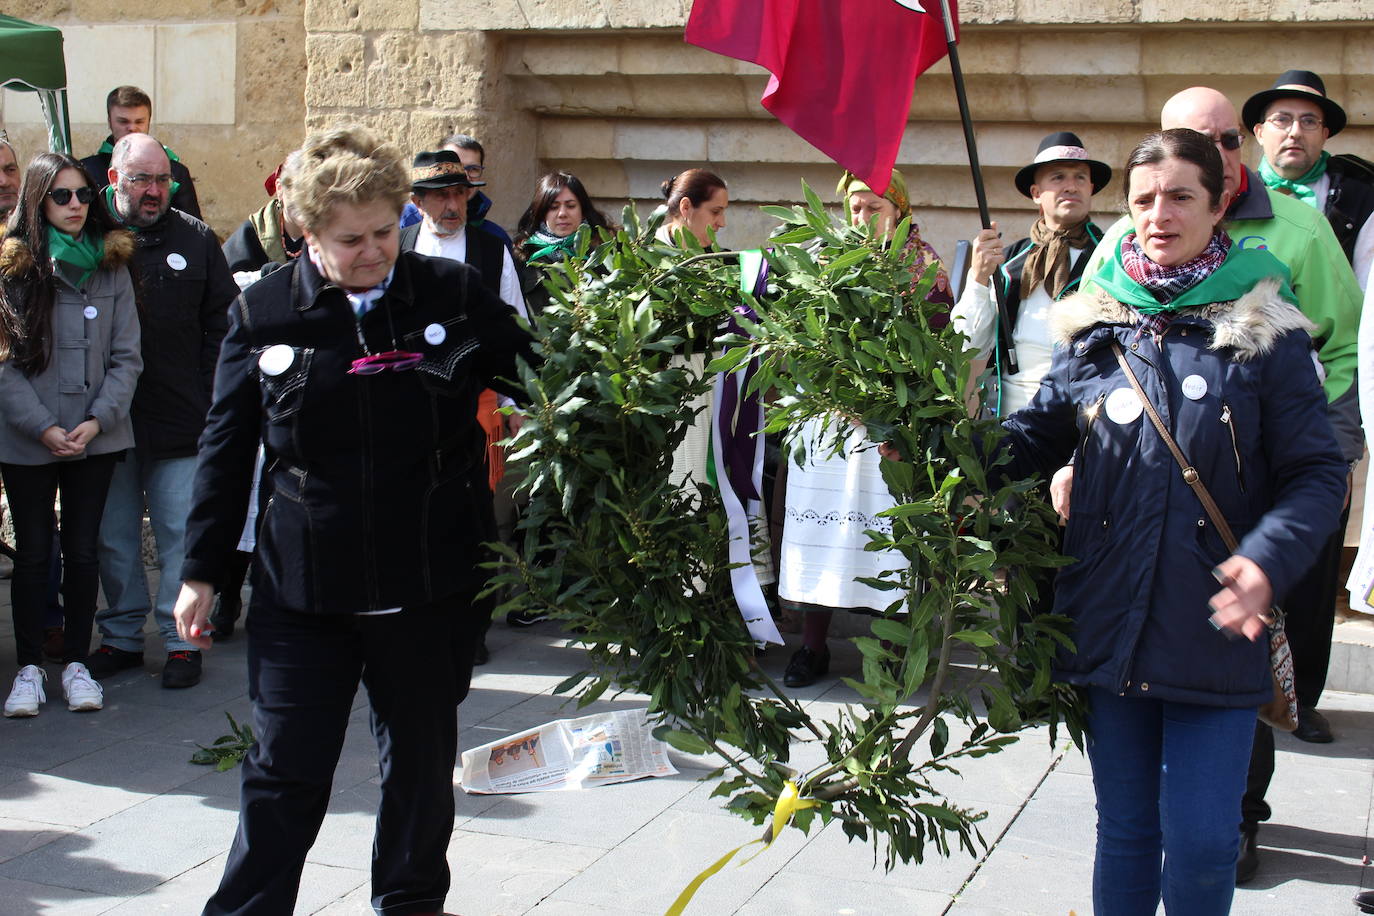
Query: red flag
{"type": "Point", "coordinates": [843, 71]}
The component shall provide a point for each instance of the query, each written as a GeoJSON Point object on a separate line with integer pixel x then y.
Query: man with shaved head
{"type": "Point", "coordinates": [184, 289]}
{"type": "Point", "coordinates": [1328, 294]}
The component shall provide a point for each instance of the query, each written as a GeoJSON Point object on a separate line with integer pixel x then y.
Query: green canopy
{"type": "Point", "coordinates": [31, 60]}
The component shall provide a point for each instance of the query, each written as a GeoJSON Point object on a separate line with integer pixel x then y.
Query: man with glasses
{"type": "Point", "coordinates": [184, 290]}
{"type": "Point", "coordinates": [129, 110]}
{"type": "Point", "coordinates": [1292, 122]}
{"type": "Point", "coordinates": [1327, 293]}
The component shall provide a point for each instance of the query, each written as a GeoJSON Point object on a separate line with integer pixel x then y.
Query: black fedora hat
{"type": "Point", "coordinates": [440, 170]}
{"type": "Point", "coordinates": [1295, 84]}
{"type": "Point", "coordinates": [1063, 147]}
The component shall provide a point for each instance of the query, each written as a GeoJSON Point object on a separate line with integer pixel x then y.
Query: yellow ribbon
{"type": "Point", "coordinates": [789, 803]}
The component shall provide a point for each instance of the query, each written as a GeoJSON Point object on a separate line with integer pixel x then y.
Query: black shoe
{"type": "Point", "coordinates": [806, 667]}
{"type": "Point", "coordinates": [1312, 726]}
{"type": "Point", "coordinates": [481, 655]}
{"type": "Point", "coordinates": [108, 660]}
{"type": "Point", "coordinates": [1248, 861]}
{"type": "Point", "coordinates": [182, 669]}
{"type": "Point", "coordinates": [525, 618]}
{"type": "Point", "coordinates": [1365, 901]}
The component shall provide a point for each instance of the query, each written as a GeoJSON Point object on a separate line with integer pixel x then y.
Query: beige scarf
{"type": "Point", "coordinates": [1050, 261]}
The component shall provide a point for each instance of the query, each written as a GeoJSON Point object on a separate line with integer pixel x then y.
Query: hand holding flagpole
{"type": "Point", "coordinates": [1003, 319]}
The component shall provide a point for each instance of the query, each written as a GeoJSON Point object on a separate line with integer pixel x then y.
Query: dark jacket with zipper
{"type": "Point", "coordinates": [1349, 200]}
{"type": "Point", "coordinates": [374, 490]}
{"type": "Point", "coordinates": [184, 289]}
{"type": "Point", "coordinates": [1143, 546]}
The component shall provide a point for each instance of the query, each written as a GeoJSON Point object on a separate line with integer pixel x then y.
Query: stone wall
{"type": "Point", "coordinates": [608, 89]}
{"type": "Point", "coordinates": [227, 79]}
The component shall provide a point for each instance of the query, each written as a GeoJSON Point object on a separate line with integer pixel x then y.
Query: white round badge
{"type": "Point", "coordinates": [435, 334]}
{"type": "Point", "coordinates": [90, 312]}
{"type": "Point", "coordinates": [1194, 387]}
{"type": "Point", "coordinates": [1123, 406]}
{"type": "Point", "coordinates": [176, 261]}
{"type": "Point", "coordinates": [276, 359]}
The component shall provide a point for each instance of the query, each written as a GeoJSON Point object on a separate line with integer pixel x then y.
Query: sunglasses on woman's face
{"type": "Point", "coordinates": [395, 360]}
{"type": "Point", "coordinates": [63, 196]}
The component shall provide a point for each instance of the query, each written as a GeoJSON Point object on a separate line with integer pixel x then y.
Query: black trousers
{"type": "Point", "coordinates": [32, 489]}
{"type": "Point", "coordinates": [1311, 609]}
{"type": "Point", "coordinates": [303, 671]}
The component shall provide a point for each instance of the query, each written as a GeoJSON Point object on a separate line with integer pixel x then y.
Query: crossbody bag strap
{"type": "Point", "coordinates": [1190, 474]}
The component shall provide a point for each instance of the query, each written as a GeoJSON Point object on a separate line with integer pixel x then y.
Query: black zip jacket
{"type": "Point", "coordinates": [184, 289]}
{"type": "Point", "coordinates": [374, 490]}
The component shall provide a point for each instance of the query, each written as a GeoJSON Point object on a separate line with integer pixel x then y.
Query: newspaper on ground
{"type": "Point", "coordinates": [595, 750]}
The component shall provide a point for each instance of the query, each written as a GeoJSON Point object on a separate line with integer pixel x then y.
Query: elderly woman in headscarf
{"type": "Point", "coordinates": [834, 498]}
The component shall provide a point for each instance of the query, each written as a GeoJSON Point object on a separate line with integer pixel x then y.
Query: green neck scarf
{"type": "Point", "coordinates": [77, 258]}
{"type": "Point", "coordinates": [1236, 276]}
{"type": "Point", "coordinates": [549, 246]}
{"type": "Point", "coordinates": [1300, 187]}
{"type": "Point", "coordinates": [114, 213]}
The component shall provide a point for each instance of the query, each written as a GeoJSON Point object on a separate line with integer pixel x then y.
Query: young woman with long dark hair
{"type": "Point", "coordinates": [69, 360]}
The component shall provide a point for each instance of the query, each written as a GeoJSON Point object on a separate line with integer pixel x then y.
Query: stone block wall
{"type": "Point", "coordinates": [227, 79]}
{"type": "Point", "coordinates": [608, 89]}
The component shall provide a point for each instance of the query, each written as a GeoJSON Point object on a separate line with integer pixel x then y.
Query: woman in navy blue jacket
{"type": "Point", "coordinates": [1169, 641]}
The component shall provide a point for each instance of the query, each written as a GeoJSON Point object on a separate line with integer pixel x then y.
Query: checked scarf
{"type": "Point", "coordinates": [1168, 283]}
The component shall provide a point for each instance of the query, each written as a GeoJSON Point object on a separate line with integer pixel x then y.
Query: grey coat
{"type": "Point", "coordinates": [94, 365]}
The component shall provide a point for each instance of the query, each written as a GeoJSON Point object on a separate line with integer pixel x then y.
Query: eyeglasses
{"type": "Point", "coordinates": [144, 180]}
{"type": "Point", "coordinates": [63, 196]}
{"type": "Point", "coordinates": [1228, 139]}
{"type": "Point", "coordinates": [475, 170]}
{"type": "Point", "coordinates": [1282, 120]}
{"type": "Point", "coordinates": [395, 360]}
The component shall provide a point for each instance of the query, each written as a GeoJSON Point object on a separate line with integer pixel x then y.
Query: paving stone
{"type": "Point", "coordinates": [132, 851]}
{"type": "Point", "coordinates": [560, 816]}
{"type": "Point", "coordinates": [18, 837]}
{"type": "Point", "coordinates": [23, 898]}
{"type": "Point", "coordinates": [49, 799]}
{"type": "Point", "coordinates": [497, 874]}
{"type": "Point", "coordinates": [679, 844]}
{"type": "Point", "coordinates": [812, 895]}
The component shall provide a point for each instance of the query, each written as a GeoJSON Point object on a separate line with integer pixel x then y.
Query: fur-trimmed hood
{"type": "Point", "coordinates": [16, 258]}
{"type": "Point", "coordinates": [1250, 325]}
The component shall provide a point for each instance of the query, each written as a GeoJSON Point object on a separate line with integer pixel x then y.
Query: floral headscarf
{"type": "Point", "coordinates": [896, 190]}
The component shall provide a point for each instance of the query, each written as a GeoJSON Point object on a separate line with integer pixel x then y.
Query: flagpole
{"type": "Point", "coordinates": [1003, 318]}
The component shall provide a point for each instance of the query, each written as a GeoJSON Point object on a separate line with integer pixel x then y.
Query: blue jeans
{"type": "Point", "coordinates": [165, 485]}
{"type": "Point", "coordinates": [1169, 777]}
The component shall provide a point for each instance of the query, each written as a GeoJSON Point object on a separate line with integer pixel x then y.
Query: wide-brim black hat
{"type": "Point", "coordinates": [1295, 84]}
{"type": "Point", "coordinates": [440, 170]}
{"type": "Point", "coordinates": [1063, 147]}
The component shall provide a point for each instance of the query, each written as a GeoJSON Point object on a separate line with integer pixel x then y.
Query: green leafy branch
{"type": "Point", "coordinates": [618, 544]}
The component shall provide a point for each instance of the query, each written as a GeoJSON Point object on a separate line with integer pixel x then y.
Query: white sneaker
{"type": "Point", "coordinates": [82, 692]}
{"type": "Point", "coordinates": [27, 693]}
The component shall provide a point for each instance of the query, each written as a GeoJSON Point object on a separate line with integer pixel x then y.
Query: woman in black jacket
{"type": "Point", "coordinates": [359, 369]}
